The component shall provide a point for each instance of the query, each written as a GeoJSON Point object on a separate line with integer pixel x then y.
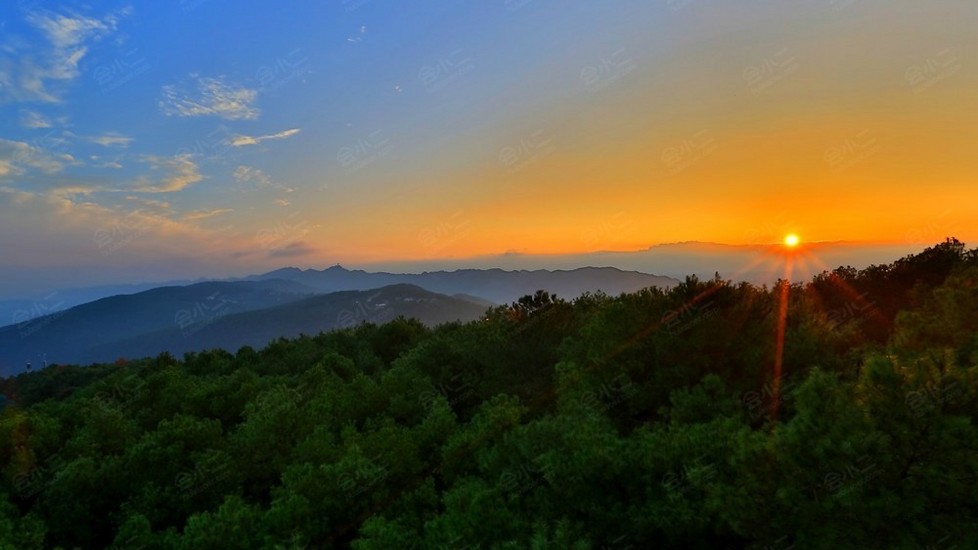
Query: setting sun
{"type": "Point", "coordinates": [791, 240]}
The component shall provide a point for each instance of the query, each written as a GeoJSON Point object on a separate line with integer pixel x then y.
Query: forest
{"type": "Point", "coordinates": [672, 418]}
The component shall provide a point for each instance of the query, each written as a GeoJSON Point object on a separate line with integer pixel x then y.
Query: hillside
{"type": "Point", "coordinates": [69, 336]}
{"type": "Point", "coordinates": [307, 316]}
{"type": "Point", "coordinates": [657, 419]}
{"type": "Point", "coordinates": [497, 285]}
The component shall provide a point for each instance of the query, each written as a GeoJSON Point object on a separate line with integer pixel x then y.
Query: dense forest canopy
{"type": "Point", "coordinates": [650, 419]}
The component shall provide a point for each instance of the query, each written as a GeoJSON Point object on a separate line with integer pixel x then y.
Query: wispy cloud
{"type": "Point", "coordinates": [181, 172]}
{"type": "Point", "coordinates": [161, 208]}
{"type": "Point", "coordinates": [250, 178]}
{"type": "Point", "coordinates": [212, 97]}
{"type": "Point", "coordinates": [252, 175]}
{"type": "Point", "coordinates": [240, 141]}
{"type": "Point", "coordinates": [16, 157]}
{"type": "Point", "coordinates": [30, 73]}
{"type": "Point", "coordinates": [111, 139]}
{"type": "Point", "coordinates": [195, 215]}
{"type": "Point", "coordinates": [33, 121]}
{"type": "Point", "coordinates": [67, 32]}
{"type": "Point", "coordinates": [292, 250]}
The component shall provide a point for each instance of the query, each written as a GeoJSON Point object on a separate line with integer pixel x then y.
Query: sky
{"type": "Point", "coordinates": [206, 138]}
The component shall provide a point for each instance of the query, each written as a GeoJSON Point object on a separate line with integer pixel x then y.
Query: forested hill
{"type": "Point", "coordinates": [647, 420]}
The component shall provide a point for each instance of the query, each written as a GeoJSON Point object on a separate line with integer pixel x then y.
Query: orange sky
{"type": "Point", "coordinates": [546, 130]}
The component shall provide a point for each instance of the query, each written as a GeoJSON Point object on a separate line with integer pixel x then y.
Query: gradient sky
{"type": "Point", "coordinates": [194, 138]}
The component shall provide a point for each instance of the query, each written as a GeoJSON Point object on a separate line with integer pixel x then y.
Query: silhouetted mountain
{"type": "Point", "coordinates": [308, 316]}
{"type": "Point", "coordinates": [67, 335]}
{"type": "Point", "coordinates": [496, 285]}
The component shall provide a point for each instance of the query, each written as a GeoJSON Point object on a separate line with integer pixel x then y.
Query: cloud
{"type": "Point", "coordinates": [181, 172]}
{"type": "Point", "coordinates": [66, 32]}
{"type": "Point", "coordinates": [251, 179]}
{"type": "Point", "coordinates": [32, 68]}
{"type": "Point", "coordinates": [16, 157]}
{"type": "Point", "coordinates": [72, 190]}
{"type": "Point", "coordinates": [195, 215]}
{"type": "Point", "coordinates": [250, 174]}
{"type": "Point", "coordinates": [292, 250]}
{"type": "Point", "coordinates": [213, 97]}
{"type": "Point", "coordinates": [282, 202]}
{"type": "Point", "coordinates": [108, 139]}
{"type": "Point", "coordinates": [160, 208]}
{"type": "Point", "coordinates": [34, 121]}
{"type": "Point", "coordinates": [111, 139]}
{"type": "Point", "coordinates": [73, 231]}
{"type": "Point", "coordinates": [240, 141]}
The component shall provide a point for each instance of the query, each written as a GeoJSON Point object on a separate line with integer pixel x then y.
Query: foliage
{"type": "Point", "coordinates": [651, 419]}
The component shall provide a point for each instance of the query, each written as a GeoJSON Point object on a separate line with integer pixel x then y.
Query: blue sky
{"type": "Point", "coordinates": [152, 141]}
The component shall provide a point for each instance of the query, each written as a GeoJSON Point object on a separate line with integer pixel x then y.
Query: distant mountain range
{"type": "Point", "coordinates": [308, 316]}
{"type": "Point", "coordinates": [286, 302]}
{"type": "Point", "coordinates": [71, 334]}
{"type": "Point", "coordinates": [496, 285]}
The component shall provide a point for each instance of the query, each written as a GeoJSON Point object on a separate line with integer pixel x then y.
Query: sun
{"type": "Point", "coordinates": [791, 240]}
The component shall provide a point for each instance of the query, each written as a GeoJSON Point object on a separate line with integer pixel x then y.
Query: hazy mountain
{"type": "Point", "coordinates": [308, 316]}
{"type": "Point", "coordinates": [755, 263]}
{"type": "Point", "coordinates": [496, 285]}
{"type": "Point", "coordinates": [67, 335]}
{"type": "Point", "coordinates": [183, 318]}
{"type": "Point", "coordinates": [16, 310]}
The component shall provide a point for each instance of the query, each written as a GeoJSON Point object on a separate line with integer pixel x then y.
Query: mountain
{"type": "Point", "coordinates": [202, 315]}
{"type": "Point", "coordinates": [66, 335]}
{"type": "Point", "coordinates": [308, 316]}
{"type": "Point", "coordinates": [14, 311]}
{"type": "Point", "coordinates": [496, 285]}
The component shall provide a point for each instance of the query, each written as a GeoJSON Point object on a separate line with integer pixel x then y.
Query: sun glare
{"type": "Point", "coordinates": [791, 240]}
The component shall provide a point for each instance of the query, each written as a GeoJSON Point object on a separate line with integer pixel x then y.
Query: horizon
{"type": "Point", "coordinates": [759, 264]}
